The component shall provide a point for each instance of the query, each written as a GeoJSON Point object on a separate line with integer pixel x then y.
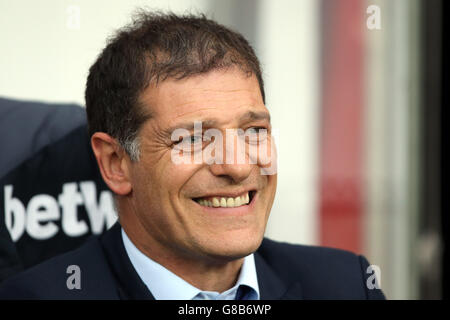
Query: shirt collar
{"type": "Point", "coordinates": [165, 285]}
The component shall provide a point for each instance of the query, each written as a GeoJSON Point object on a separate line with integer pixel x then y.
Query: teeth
{"type": "Point", "coordinates": [225, 202]}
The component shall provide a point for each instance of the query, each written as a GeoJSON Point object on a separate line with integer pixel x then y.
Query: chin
{"type": "Point", "coordinates": [233, 247]}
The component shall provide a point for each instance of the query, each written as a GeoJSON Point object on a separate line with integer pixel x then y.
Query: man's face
{"type": "Point", "coordinates": [170, 200]}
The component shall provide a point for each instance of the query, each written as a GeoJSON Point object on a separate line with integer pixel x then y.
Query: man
{"type": "Point", "coordinates": [165, 90]}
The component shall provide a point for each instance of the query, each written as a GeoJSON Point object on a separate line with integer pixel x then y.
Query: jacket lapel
{"type": "Point", "coordinates": [130, 285]}
{"type": "Point", "coordinates": [271, 287]}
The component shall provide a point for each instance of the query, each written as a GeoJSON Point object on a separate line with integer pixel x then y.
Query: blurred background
{"type": "Point", "coordinates": [355, 89]}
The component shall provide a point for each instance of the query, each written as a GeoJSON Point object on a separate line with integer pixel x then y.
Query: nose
{"type": "Point", "coordinates": [237, 172]}
{"type": "Point", "coordinates": [236, 164]}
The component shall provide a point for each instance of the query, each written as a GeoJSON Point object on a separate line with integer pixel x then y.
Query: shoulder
{"type": "Point", "coordinates": [323, 272]}
{"type": "Point", "coordinates": [294, 253]}
{"type": "Point", "coordinates": [79, 274]}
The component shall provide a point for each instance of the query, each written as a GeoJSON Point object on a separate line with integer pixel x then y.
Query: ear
{"type": "Point", "coordinates": [112, 162]}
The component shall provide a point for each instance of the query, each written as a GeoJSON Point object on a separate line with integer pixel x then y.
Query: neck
{"type": "Point", "coordinates": [203, 272]}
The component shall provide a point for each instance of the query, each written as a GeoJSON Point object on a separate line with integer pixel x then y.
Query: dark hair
{"type": "Point", "coordinates": [155, 47]}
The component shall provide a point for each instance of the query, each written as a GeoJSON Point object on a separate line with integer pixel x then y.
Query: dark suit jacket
{"type": "Point", "coordinates": [284, 271]}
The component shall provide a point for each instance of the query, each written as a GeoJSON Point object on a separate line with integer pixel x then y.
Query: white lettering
{"type": "Point", "coordinates": [74, 281]}
{"type": "Point", "coordinates": [98, 213]}
{"type": "Point", "coordinates": [374, 281]}
{"type": "Point", "coordinates": [41, 210]}
{"type": "Point", "coordinates": [69, 199]}
{"type": "Point", "coordinates": [73, 17]}
{"type": "Point", "coordinates": [206, 311]}
{"type": "Point", "coordinates": [37, 218]}
{"type": "Point", "coordinates": [215, 146]}
{"type": "Point", "coordinates": [374, 20]}
{"type": "Point", "coordinates": [14, 214]}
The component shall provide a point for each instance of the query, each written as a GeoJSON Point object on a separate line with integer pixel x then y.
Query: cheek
{"type": "Point", "coordinates": [160, 187]}
{"type": "Point", "coordinates": [178, 178]}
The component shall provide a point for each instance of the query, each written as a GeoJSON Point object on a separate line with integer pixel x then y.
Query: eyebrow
{"type": "Point", "coordinates": [209, 123]}
{"type": "Point", "coordinates": [254, 116]}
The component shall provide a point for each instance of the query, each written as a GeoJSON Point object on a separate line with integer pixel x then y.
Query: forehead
{"type": "Point", "coordinates": [219, 95]}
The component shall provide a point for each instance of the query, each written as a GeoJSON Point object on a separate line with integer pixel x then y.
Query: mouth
{"type": "Point", "coordinates": [224, 201]}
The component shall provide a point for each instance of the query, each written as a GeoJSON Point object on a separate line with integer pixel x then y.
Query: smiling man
{"type": "Point", "coordinates": [162, 204]}
{"type": "Point", "coordinates": [193, 201]}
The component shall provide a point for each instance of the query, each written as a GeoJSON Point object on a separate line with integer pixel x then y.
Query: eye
{"type": "Point", "coordinates": [256, 134]}
{"type": "Point", "coordinates": [189, 143]}
{"type": "Point", "coordinates": [256, 130]}
{"type": "Point", "coordinates": [195, 139]}
{"type": "Point", "coordinates": [189, 140]}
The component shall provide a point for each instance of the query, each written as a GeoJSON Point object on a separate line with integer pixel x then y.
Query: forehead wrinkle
{"type": "Point", "coordinates": [226, 90]}
{"type": "Point", "coordinates": [208, 123]}
{"type": "Point", "coordinates": [221, 94]}
{"type": "Point", "coordinates": [193, 111]}
{"type": "Point", "coordinates": [213, 100]}
{"type": "Point", "coordinates": [249, 114]}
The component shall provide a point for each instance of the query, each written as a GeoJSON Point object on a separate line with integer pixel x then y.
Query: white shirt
{"type": "Point", "coordinates": [165, 285]}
